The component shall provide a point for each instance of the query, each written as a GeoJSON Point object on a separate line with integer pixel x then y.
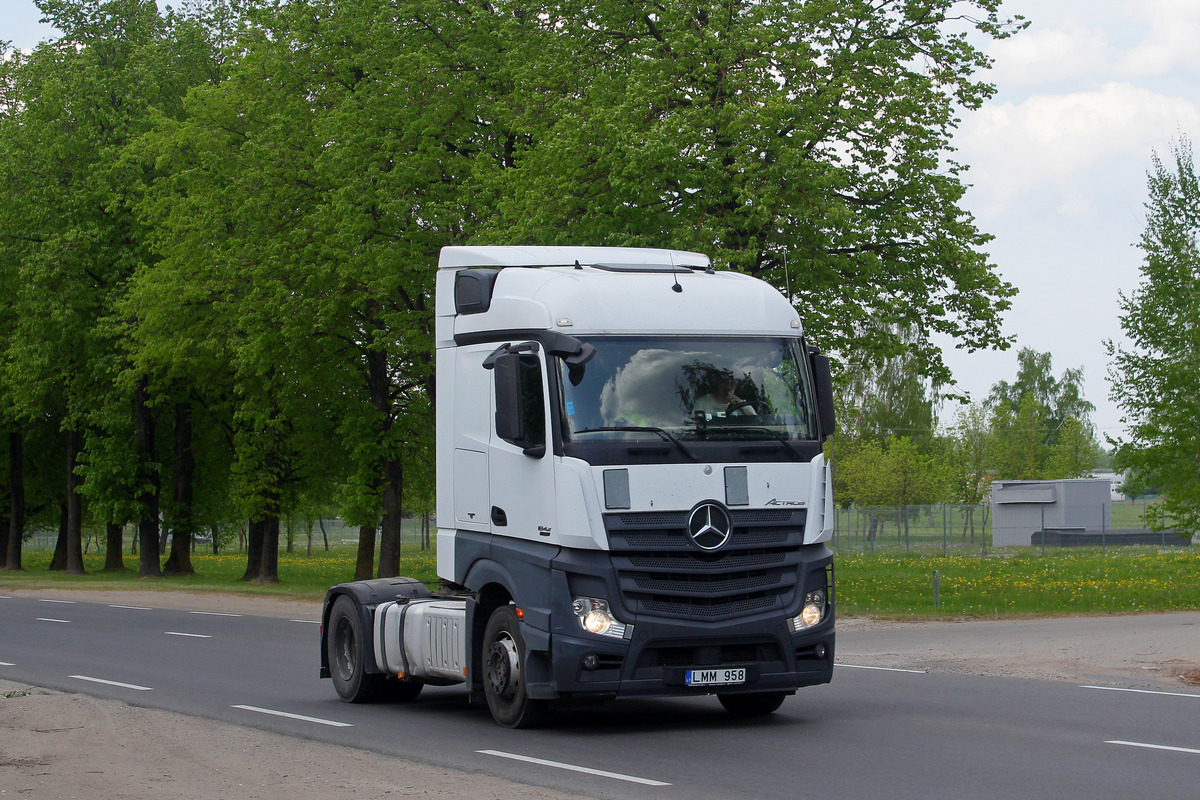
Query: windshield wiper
{"type": "Point", "coordinates": [645, 429]}
{"type": "Point", "coordinates": [776, 435]}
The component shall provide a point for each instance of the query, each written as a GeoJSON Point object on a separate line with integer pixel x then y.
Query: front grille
{"type": "Point", "coordinates": [662, 572]}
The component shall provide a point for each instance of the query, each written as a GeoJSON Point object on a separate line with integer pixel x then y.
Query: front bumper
{"type": "Point", "coordinates": [654, 662]}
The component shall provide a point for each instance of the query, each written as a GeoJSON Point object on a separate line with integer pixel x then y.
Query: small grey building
{"type": "Point", "coordinates": [1021, 508]}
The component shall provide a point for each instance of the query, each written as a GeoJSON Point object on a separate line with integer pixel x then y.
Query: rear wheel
{"type": "Point", "coordinates": [752, 705]}
{"type": "Point", "coordinates": [502, 662]}
{"type": "Point", "coordinates": [346, 651]}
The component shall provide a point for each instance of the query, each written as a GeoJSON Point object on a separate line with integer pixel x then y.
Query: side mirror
{"type": "Point", "coordinates": [510, 421]}
{"type": "Point", "coordinates": [823, 384]}
{"type": "Point", "coordinates": [520, 410]}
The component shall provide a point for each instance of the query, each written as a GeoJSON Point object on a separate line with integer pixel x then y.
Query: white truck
{"type": "Point", "coordinates": [632, 498]}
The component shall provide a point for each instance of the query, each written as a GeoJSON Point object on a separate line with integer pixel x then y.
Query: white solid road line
{"type": "Point", "coordinates": [50, 619]}
{"type": "Point", "coordinates": [573, 768]}
{"type": "Point", "coordinates": [113, 683]}
{"type": "Point", "coordinates": [883, 669]}
{"type": "Point", "coordinates": [1142, 691]}
{"type": "Point", "coordinates": [300, 717]}
{"type": "Point", "coordinates": [1190, 750]}
{"type": "Point", "coordinates": [192, 635]}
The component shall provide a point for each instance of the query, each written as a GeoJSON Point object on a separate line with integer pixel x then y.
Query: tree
{"type": "Point", "coordinates": [884, 397]}
{"type": "Point", "coordinates": [1041, 424]}
{"type": "Point", "coordinates": [804, 143]}
{"type": "Point", "coordinates": [1156, 378]}
{"type": "Point", "coordinates": [972, 448]}
{"type": "Point", "coordinates": [1055, 400]}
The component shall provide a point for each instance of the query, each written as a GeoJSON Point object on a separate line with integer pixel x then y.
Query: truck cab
{"type": "Point", "coordinates": [632, 498]}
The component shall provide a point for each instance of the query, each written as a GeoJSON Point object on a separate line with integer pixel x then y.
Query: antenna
{"type": "Point", "coordinates": [675, 275]}
{"type": "Point", "coordinates": [787, 278]}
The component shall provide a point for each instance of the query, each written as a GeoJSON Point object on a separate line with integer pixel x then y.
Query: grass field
{"type": "Point", "coordinates": [889, 585]}
{"type": "Point", "coordinates": [1079, 581]}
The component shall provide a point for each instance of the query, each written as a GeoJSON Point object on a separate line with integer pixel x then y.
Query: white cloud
{"type": "Point", "coordinates": [1041, 55]}
{"type": "Point", "coordinates": [1174, 30]}
{"type": "Point", "coordinates": [1054, 141]}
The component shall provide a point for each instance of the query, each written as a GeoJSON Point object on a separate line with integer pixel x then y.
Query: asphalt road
{"type": "Point", "coordinates": [872, 733]}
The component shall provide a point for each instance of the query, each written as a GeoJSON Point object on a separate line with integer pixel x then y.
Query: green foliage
{"type": "Point", "coordinates": [237, 209]}
{"type": "Point", "coordinates": [805, 143]}
{"type": "Point", "coordinates": [1156, 380]}
{"type": "Point", "coordinates": [1040, 423]}
{"type": "Point", "coordinates": [895, 474]}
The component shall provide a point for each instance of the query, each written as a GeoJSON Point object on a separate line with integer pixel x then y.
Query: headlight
{"type": "Point", "coordinates": [595, 617]}
{"type": "Point", "coordinates": [812, 613]}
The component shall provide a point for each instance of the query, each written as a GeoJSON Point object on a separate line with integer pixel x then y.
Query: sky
{"type": "Point", "coordinates": [1058, 161]}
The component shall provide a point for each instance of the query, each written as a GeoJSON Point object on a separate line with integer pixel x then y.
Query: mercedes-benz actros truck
{"type": "Point", "coordinates": [632, 495]}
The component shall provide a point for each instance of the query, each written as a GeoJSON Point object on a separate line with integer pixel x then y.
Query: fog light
{"type": "Point", "coordinates": [591, 661]}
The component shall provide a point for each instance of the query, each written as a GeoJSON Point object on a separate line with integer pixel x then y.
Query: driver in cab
{"type": "Point", "coordinates": [722, 400]}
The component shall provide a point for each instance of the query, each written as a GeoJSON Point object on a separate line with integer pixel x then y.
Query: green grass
{"type": "Point", "coordinates": [1083, 581]}
{"type": "Point", "coordinates": [894, 586]}
{"type": "Point", "coordinates": [301, 577]}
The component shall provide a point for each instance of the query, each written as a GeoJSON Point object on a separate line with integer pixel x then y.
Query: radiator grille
{"type": "Point", "coordinates": [661, 572]}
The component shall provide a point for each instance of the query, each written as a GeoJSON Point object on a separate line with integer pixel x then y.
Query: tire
{"type": "Point", "coordinates": [404, 691]}
{"type": "Point", "coordinates": [752, 705]}
{"type": "Point", "coordinates": [503, 668]}
{"type": "Point", "coordinates": [346, 649]}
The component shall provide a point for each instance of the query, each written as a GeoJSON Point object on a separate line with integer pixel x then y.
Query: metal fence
{"type": "Point", "coordinates": [969, 529]}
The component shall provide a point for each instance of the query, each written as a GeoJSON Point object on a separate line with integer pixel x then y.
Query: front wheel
{"type": "Point", "coordinates": [752, 705]}
{"type": "Point", "coordinates": [346, 651]}
{"type": "Point", "coordinates": [503, 666]}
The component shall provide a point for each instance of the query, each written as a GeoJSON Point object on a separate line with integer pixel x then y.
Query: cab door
{"type": "Point", "coordinates": [520, 463]}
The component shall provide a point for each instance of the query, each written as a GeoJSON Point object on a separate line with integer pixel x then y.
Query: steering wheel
{"type": "Point", "coordinates": [737, 405]}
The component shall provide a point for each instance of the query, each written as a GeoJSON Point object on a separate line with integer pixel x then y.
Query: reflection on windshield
{"type": "Point", "coordinates": [690, 388]}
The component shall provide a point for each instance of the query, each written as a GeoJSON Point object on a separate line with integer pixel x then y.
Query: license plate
{"type": "Point", "coordinates": [715, 677]}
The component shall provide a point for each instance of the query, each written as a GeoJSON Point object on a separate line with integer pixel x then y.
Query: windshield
{"type": "Point", "coordinates": [690, 389]}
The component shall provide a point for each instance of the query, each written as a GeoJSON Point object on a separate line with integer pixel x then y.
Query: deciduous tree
{"type": "Point", "coordinates": [1156, 377]}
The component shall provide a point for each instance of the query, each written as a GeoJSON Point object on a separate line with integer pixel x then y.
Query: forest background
{"type": "Point", "coordinates": [219, 225]}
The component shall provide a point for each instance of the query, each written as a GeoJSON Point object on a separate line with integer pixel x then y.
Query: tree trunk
{"type": "Point", "coordinates": [324, 534]}
{"type": "Point", "coordinates": [114, 559]}
{"type": "Point", "coordinates": [148, 545]}
{"type": "Point", "coordinates": [16, 495]}
{"type": "Point", "coordinates": [58, 561]}
{"type": "Point", "coordinates": [366, 553]}
{"type": "Point", "coordinates": [389, 539]}
{"type": "Point", "coordinates": [268, 571]}
{"type": "Point", "coordinates": [180, 560]}
{"type": "Point", "coordinates": [254, 549]}
{"type": "Point", "coordinates": [74, 507]}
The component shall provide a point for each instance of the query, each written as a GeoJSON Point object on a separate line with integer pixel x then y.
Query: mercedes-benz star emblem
{"type": "Point", "coordinates": [709, 526]}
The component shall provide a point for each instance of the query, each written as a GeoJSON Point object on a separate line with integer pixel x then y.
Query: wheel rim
{"type": "Point", "coordinates": [345, 649]}
{"type": "Point", "coordinates": [504, 667]}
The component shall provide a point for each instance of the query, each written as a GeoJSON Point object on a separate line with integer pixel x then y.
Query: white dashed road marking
{"type": "Point", "coordinates": [1189, 750]}
{"type": "Point", "coordinates": [133, 686]}
{"type": "Point", "coordinates": [573, 768]}
{"type": "Point", "coordinates": [300, 717]}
